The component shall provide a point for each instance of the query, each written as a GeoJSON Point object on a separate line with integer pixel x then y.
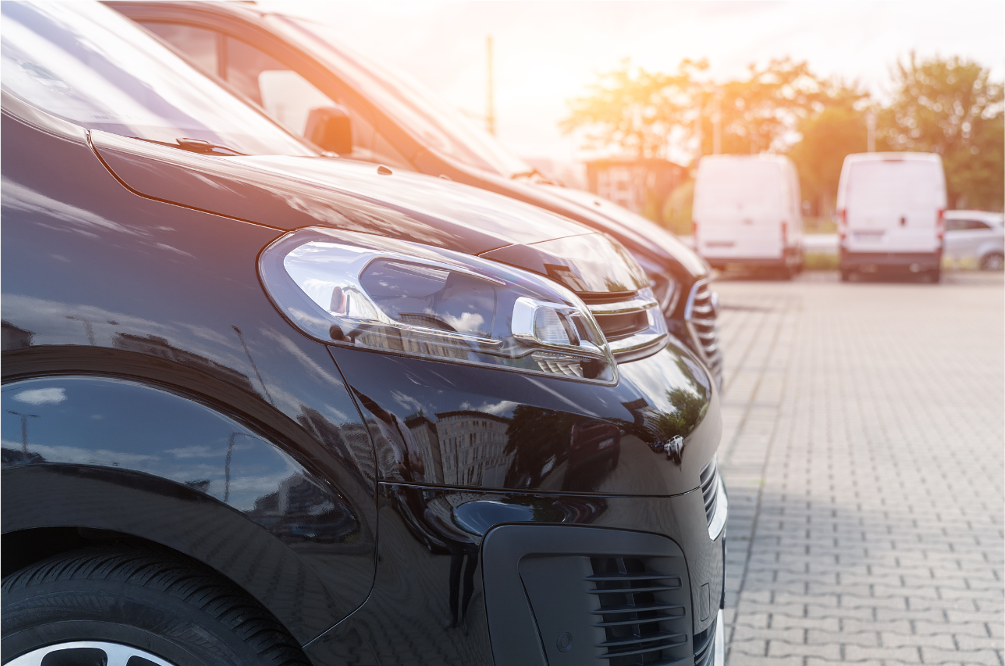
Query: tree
{"type": "Point", "coordinates": [952, 107]}
{"type": "Point", "coordinates": [634, 109]}
{"type": "Point", "coordinates": [759, 111]}
{"type": "Point", "coordinates": [838, 129]}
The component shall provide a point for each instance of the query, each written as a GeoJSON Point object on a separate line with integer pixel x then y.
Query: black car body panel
{"type": "Point", "coordinates": [424, 426]}
{"type": "Point", "coordinates": [434, 575]}
{"type": "Point", "coordinates": [151, 314]}
{"type": "Point", "coordinates": [293, 192]}
{"type": "Point", "coordinates": [662, 255]}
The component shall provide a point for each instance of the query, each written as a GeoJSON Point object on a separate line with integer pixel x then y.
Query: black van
{"type": "Point", "coordinates": [306, 78]}
{"type": "Point", "coordinates": [264, 406]}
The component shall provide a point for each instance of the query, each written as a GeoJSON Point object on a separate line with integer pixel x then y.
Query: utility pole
{"type": "Point", "coordinates": [870, 123]}
{"type": "Point", "coordinates": [490, 107]}
{"type": "Point", "coordinates": [717, 123]}
{"type": "Point", "coordinates": [697, 126]}
{"type": "Point", "coordinates": [24, 429]}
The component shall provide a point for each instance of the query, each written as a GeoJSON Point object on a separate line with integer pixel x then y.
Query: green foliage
{"type": "Point", "coordinates": [951, 107]}
{"type": "Point", "coordinates": [827, 137]}
{"type": "Point", "coordinates": [677, 208]}
{"type": "Point", "coordinates": [758, 111]}
{"type": "Point", "coordinates": [948, 106]}
{"type": "Point", "coordinates": [634, 109]}
{"type": "Point", "coordinates": [821, 261]}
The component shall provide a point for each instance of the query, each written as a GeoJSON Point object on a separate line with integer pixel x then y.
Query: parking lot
{"type": "Point", "coordinates": [862, 448]}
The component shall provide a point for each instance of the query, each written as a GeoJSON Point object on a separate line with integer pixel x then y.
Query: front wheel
{"type": "Point", "coordinates": [131, 606]}
{"type": "Point", "coordinates": [993, 262]}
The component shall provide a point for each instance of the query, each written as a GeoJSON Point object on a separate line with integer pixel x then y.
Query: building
{"type": "Point", "coordinates": [639, 184]}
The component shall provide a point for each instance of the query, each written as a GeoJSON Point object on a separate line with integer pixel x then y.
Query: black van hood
{"type": "Point", "coordinates": [640, 236]}
{"type": "Point", "coordinates": [293, 192]}
{"type": "Point", "coordinates": [625, 226]}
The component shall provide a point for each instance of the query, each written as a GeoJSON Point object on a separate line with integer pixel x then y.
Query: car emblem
{"type": "Point", "coordinates": [673, 448]}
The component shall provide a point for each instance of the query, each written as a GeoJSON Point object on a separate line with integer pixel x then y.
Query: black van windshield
{"type": "Point", "coordinates": [439, 126]}
{"type": "Point", "coordinates": [87, 64]}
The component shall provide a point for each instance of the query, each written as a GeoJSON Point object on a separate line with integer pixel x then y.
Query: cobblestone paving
{"type": "Point", "coordinates": [863, 453]}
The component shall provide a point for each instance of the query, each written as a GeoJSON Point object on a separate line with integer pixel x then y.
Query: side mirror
{"type": "Point", "coordinates": [329, 128]}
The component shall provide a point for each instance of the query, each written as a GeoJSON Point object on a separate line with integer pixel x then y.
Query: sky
{"type": "Point", "coordinates": [546, 53]}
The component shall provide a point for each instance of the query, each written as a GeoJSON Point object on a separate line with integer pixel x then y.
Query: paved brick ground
{"type": "Point", "coordinates": [863, 452]}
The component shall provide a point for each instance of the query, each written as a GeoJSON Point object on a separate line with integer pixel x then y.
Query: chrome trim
{"type": "Point", "coordinates": [670, 303]}
{"type": "Point", "coordinates": [718, 522]}
{"type": "Point", "coordinates": [638, 342]}
{"type": "Point", "coordinates": [700, 321]}
{"type": "Point", "coordinates": [116, 654]}
{"type": "Point", "coordinates": [719, 657]}
{"type": "Point", "coordinates": [623, 307]}
{"type": "Point", "coordinates": [695, 288]}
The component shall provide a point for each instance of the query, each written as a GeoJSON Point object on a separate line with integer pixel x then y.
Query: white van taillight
{"type": "Point", "coordinates": [785, 233]}
{"type": "Point", "coordinates": [940, 224]}
{"type": "Point", "coordinates": [843, 223]}
{"type": "Point", "coordinates": [694, 232]}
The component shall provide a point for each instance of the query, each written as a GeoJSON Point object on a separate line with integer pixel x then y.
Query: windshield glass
{"type": "Point", "coordinates": [745, 184]}
{"type": "Point", "coordinates": [439, 126]}
{"type": "Point", "coordinates": [91, 66]}
{"type": "Point", "coordinates": [892, 185]}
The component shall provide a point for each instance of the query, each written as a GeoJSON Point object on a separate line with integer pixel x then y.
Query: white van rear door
{"type": "Point", "coordinates": [739, 207]}
{"type": "Point", "coordinates": [893, 206]}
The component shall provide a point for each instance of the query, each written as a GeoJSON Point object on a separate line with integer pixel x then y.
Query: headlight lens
{"type": "Point", "coordinates": [394, 296]}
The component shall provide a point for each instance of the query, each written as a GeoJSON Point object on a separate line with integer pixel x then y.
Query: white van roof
{"type": "Point", "coordinates": [774, 159]}
{"type": "Point", "coordinates": [893, 157]}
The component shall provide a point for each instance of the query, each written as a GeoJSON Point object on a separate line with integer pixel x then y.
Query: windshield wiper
{"type": "Point", "coordinates": [206, 147]}
{"type": "Point", "coordinates": [195, 146]}
{"type": "Point", "coordinates": [529, 175]}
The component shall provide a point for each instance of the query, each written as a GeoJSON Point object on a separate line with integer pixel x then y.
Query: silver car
{"type": "Point", "coordinates": [975, 237]}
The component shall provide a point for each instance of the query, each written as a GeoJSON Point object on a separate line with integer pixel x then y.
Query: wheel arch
{"type": "Point", "coordinates": [155, 466]}
{"type": "Point", "coordinates": [50, 509]}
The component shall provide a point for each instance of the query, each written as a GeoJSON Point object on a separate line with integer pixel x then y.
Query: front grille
{"type": "Point", "coordinates": [704, 646]}
{"type": "Point", "coordinates": [630, 322]}
{"type": "Point", "coordinates": [700, 315]}
{"type": "Point", "coordinates": [710, 487]}
{"type": "Point", "coordinates": [642, 612]}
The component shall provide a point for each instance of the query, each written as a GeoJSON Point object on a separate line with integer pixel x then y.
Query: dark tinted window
{"type": "Point", "coordinates": [89, 65]}
{"type": "Point", "coordinates": [288, 98]}
{"type": "Point", "coordinates": [197, 44]}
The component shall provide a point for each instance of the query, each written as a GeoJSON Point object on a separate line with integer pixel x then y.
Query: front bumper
{"type": "Point", "coordinates": [719, 657]}
{"type": "Point", "coordinates": [463, 453]}
{"type": "Point", "coordinates": [505, 579]}
{"type": "Point", "coordinates": [871, 262]}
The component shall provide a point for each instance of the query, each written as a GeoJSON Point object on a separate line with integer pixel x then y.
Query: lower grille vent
{"type": "Point", "coordinates": [641, 612]}
{"type": "Point", "coordinates": [704, 647]}
{"type": "Point", "coordinates": [709, 477]}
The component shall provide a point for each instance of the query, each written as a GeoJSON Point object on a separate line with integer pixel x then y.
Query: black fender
{"type": "Point", "coordinates": [140, 460]}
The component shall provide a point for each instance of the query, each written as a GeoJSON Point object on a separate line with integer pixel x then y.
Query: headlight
{"type": "Point", "coordinates": [404, 298]}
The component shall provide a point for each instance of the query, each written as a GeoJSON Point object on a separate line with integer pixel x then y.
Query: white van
{"type": "Point", "coordinates": [890, 213]}
{"type": "Point", "coordinates": [747, 211]}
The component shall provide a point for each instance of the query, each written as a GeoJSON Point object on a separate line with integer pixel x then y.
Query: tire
{"type": "Point", "coordinates": [935, 275]}
{"type": "Point", "coordinates": [138, 603]}
{"type": "Point", "coordinates": [845, 275]}
{"type": "Point", "coordinates": [994, 261]}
